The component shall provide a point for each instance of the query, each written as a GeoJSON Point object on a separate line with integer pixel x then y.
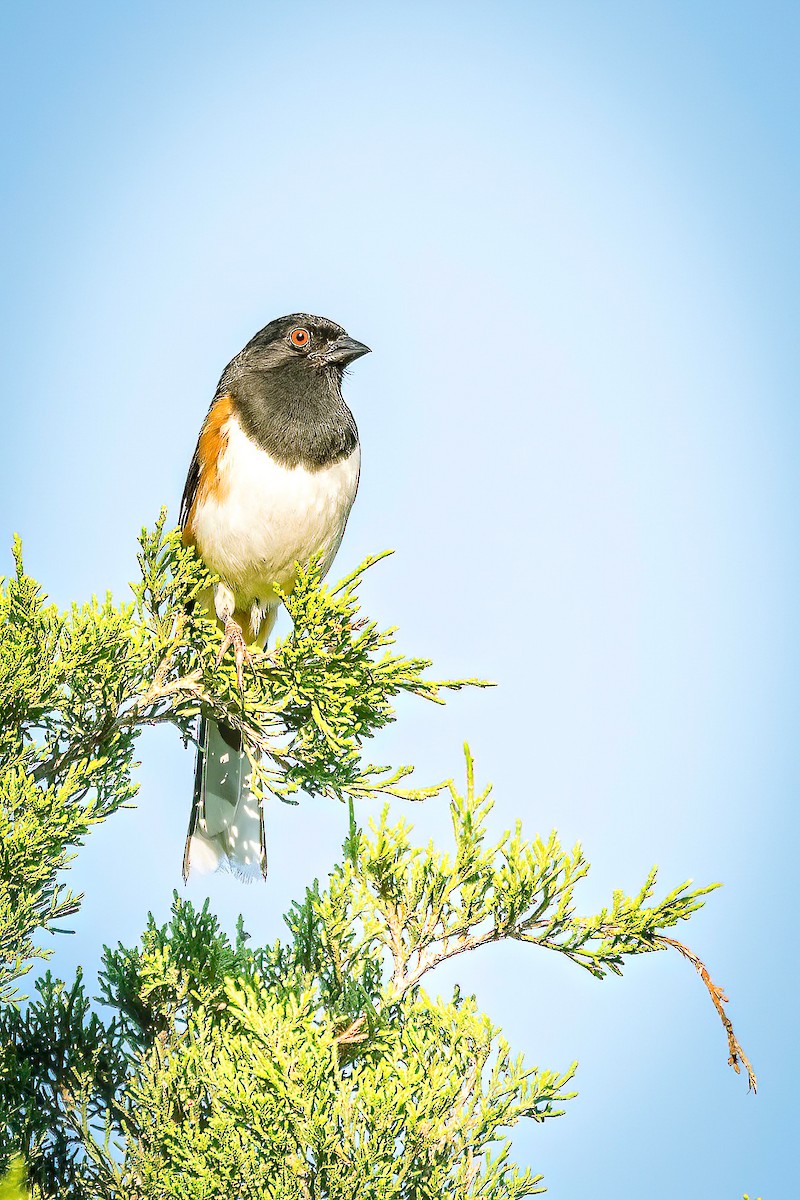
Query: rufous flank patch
{"type": "Point", "coordinates": [210, 448]}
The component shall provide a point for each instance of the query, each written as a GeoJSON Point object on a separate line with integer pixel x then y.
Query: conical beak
{"type": "Point", "coordinates": [345, 350]}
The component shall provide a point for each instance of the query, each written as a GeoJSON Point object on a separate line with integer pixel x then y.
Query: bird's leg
{"type": "Point", "coordinates": [225, 605]}
{"type": "Point", "coordinates": [234, 637]}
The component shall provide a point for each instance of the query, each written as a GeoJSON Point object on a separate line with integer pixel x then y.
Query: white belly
{"type": "Point", "coordinates": [267, 517]}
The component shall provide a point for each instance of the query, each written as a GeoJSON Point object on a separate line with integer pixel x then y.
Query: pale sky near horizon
{"type": "Point", "coordinates": [568, 233]}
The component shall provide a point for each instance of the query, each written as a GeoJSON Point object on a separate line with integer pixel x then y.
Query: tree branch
{"type": "Point", "coordinates": [719, 999]}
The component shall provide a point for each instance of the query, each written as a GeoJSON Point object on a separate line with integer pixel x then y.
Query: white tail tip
{"type": "Point", "coordinates": [205, 854]}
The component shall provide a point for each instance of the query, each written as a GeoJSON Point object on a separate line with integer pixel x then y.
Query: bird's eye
{"type": "Point", "coordinates": [300, 338]}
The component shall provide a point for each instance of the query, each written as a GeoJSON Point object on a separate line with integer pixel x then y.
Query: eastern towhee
{"type": "Point", "coordinates": [271, 484]}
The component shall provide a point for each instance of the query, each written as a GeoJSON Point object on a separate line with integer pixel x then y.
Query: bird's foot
{"type": "Point", "coordinates": [234, 637]}
{"type": "Point", "coordinates": [266, 656]}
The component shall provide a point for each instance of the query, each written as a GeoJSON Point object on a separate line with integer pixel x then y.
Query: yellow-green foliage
{"type": "Point", "coordinates": [13, 1183]}
{"type": "Point", "coordinates": [315, 1067]}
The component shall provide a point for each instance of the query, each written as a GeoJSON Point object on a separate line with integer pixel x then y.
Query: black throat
{"type": "Point", "coordinates": [296, 413]}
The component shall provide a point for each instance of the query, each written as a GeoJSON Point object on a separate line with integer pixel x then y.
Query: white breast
{"type": "Point", "coordinates": [267, 517]}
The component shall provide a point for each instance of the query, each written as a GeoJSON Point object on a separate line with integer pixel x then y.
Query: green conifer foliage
{"type": "Point", "coordinates": [317, 1067]}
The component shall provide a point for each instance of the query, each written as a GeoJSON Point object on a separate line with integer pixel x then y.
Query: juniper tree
{"type": "Point", "coordinates": [316, 1067]}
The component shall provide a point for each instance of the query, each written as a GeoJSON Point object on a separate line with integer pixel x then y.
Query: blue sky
{"type": "Point", "coordinates": [568, 233]}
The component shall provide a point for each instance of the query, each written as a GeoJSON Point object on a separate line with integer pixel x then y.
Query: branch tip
{"type": "Point", "coordinates": [736, 1055]}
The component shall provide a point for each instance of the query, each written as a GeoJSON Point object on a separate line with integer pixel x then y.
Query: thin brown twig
{"type": "Point", "coordinates": [719, 1000]}
{"type": "Point", "coordinates": [352, 1033]}
{"type": "Point", "coordinates": [156, 692]}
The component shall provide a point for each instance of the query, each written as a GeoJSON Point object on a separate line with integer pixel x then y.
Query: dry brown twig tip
{"type": "Point", "coordinates": [737, 1057]}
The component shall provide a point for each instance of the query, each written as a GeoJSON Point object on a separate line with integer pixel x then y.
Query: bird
{"type": "Point", "coordinates": [271, 484]}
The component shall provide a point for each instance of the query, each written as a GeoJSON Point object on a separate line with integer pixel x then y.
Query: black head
{"type": "Point", "coordinates": [286, 385]}
{"type": "Point", "coordinates": [299, 342]}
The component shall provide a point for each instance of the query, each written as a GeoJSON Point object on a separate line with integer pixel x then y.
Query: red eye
{"type": "Point", "coordinates": [300, 338]}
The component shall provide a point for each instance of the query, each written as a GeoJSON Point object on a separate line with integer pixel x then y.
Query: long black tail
{"type": "Point", "coordinates": [226, 826]}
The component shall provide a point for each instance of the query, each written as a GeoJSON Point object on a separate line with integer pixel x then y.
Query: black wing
{"type": "Point", "coordinates": [190, 487]}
